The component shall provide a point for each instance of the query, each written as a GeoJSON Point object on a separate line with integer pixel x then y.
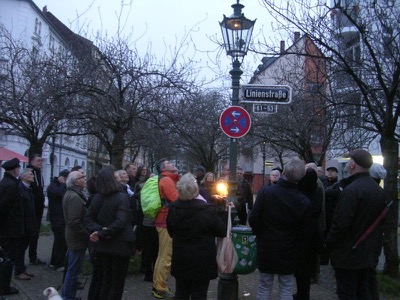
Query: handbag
{"type": "Point", "coordinates": [227, 257]}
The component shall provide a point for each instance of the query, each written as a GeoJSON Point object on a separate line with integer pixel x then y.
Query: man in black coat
{"type": "Point", "coordinates": [12, 228]}
{"type": "Point", "coordinates": [360, 203]}
{"type": "Point", "coordinates": [244, 197]}
{"type": "Point", "coordinates": [55, 192]}
{"type": "Point", "coordinates": [278, 220]}
{"type": "Point", "coordinates": [35, 163]}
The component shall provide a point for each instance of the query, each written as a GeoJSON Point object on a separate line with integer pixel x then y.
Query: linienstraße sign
{"type": "Point", "coordinates": [268, 94]}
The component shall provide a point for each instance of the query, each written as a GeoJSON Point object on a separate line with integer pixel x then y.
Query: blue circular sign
{"type": "Point", "coordinates": [235, 121]}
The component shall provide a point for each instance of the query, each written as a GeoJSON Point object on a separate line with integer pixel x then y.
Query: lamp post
{"type": "Point", "coordinates": [236, 32]}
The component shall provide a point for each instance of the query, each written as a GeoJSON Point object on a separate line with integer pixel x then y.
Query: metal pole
{"type": "Point", "coordinates": [263, 162]}
{"type": "Point", "coordinates": [228, 285]}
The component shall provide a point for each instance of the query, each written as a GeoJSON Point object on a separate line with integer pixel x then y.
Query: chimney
{"type": "Point", "coordinates": [45, 9]}
{"type": "Point", "coordinates": [282, 47]}
{"type": "Point", "coordinates": [296, 36]}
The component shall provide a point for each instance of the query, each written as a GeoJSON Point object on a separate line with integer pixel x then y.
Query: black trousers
{"type": "Point", "coordinates": [191, 289]}
{"type": "Point", "coordinates": [303, 283]}
{"type": "Point", "coordinates": [97, 276]}
{"type": "Point", "coordinates": [149, 250]}
{"type": "Point", "coordinates": [59, 247]}
{"type": "Point", "coordinates": [115, 269]}
{"type": "Point", "coordinates": [352, 284]}
{"type": "Point", "coordinates": [15, 249]}
{"type": "Point", "coordinates": [33, 243]}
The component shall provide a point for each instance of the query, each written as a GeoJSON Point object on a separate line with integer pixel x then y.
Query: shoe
{"type": "Point", "coordinates": [163, 295]}
{"type": "Point", "coordinates": [29, 274]}
{"type": "Point", "coordinates": [60, 269]}
{"type": "Point", "coordinates": [36, 261]}
{"type": "Point", "coordinates": [52, 267]}
{"type": "Point", "coordinates": [22, 276]}
{"type": "Point", "coordinates": [10, 291]}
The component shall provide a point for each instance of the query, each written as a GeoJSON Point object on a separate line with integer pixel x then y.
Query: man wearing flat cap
{"type": "Point", "coordinates": [360, 203]}
{"type": "Point", "coordinates": [12, 224]}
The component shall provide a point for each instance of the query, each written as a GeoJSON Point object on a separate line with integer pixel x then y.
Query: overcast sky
{"type": "Point", "coordinates": [161, 22]}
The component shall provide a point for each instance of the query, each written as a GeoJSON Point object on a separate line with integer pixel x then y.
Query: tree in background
{"type": "Point", "coordinates": [364, 61]}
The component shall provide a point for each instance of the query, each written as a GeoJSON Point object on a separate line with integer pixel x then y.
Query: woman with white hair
{"type": "Point", "coordinates": [193, 225]}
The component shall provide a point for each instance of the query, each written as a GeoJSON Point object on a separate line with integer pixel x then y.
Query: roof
{"type": "Point", "coordinates": [6, 154]}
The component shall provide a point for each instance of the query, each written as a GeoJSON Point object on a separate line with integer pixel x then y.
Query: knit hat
{"type": "Point", "coordinates": [362, 158]}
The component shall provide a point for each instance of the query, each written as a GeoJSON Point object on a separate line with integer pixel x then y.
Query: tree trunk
{"type": "Point", "coordinates": [390, 152]}
{"type": "Point", "coordinates": [117, 151]}
{"type": "Point", "coordinates": [36, 147]}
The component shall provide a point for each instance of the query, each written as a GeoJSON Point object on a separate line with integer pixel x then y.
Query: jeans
{"type": "Point", "coordinates": [115, 269]}
{"type": "Point", "coordinates": [286, 283]}
{"type": "Point", "coordinates": [191, 289]}
{"type": "Point", "coordinates": [163, 263]}
{"type": "Point", "coordinates": [75, 263]}
{"type": "Point", "coordinates": [59, 247]}
{"type": "Point", "coordinates": [352, 284]}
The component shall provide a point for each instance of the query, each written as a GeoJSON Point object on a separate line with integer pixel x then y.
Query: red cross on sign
{"type": "Point", "coordinates": [235, 122]}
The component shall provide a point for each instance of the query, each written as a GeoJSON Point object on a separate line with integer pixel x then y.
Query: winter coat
{"type": "Point", "coordinates": [168, 193]}
{"type": "Point", "coordinates": [111, 217]}
{"type": "Point", "coordinates": [12, 224]}
{"type": "Point", "coordinates": [37, 189]}
{"type": "Point", "coordinates": [193, 226]}
{"type": "Point", "coordinates": [307, 251]}
{"type": "Point", "coordinates": [278, 220]}
{"type": "Point", "coordinates": [31, 228]}
{"type": "Point", "coordinates": [55, 194]}
{"type": "Point", "coordinates": [360, 203]}
{"type": "Point", "coordinates": [74, 208]}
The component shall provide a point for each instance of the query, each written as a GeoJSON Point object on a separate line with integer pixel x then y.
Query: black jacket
{"type": "Point", "coordinates": [308, 247]}
{"type": "Point", "coordinates": [111, 216]}
{"type": "Point", "coordinates": [31, 228]}
{"type": "Point", "coordinates": [37, 189]}
{"type": "Point", "coordinates": [278, 220]}
{"type": "Point", "coordinates": [55, 194]}
{"type": "Point", "coordinates": [193, 226]}
{"type": "Point", "coordinates": [360, 203]}
{"type": "Point", "coordinates": [12, 223]}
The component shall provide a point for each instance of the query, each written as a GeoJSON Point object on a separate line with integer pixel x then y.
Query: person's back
{"type": "Point", "coordinates": [360, 203]}
{"type": "Point", "coordinates": [278, 220]}
{"type": "Point", "coordinates": [283, 213]}
{"type": "Point", "coordinates": [362, 200]}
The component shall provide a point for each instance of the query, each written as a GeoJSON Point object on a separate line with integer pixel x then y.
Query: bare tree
{"type": "Point", "coordinates": [34, 90]}
{"type": "Point", "coordinates": [195, 123]}
{"type": "Point", "coordinates": [365, 61]}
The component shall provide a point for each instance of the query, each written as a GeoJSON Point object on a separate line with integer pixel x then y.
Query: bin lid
{"type": "Point", "coordinates": [242, 228]}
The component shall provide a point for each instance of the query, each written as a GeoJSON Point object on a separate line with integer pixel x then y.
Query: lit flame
{"type": "Point", "coordinates": [222, 189]}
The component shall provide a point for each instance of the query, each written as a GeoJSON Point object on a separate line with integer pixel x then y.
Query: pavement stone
{"type": "Point", "coordinates": [137, 289]}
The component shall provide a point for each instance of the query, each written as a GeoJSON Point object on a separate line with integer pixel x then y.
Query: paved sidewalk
{"type": "Point", "coordinates": [137, 288]}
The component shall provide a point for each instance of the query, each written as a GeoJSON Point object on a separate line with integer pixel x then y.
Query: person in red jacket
{"type": "Point", "coordinates": [168, 193]}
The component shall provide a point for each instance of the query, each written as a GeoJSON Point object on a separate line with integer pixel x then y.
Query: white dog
{"type": "Point", "coordinates": [52, 294]}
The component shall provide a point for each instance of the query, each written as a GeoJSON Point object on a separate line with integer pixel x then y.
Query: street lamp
{"type": "Point", "coordinates": [236, 32]}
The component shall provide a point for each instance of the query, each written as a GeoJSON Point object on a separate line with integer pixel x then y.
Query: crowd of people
{"type": "Point", "coordinates": [302, 218]}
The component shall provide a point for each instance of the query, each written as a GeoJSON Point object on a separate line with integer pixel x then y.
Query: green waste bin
{"type": "Point", "coordinates": [244, 242]}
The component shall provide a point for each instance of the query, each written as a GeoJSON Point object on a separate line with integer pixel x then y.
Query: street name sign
{"type": "Point", "coordinates": [265, 108]}
{"type": "Point", "coordinates": [235, 121]}
{"type": "Point", "coordinates": [266, 94]}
